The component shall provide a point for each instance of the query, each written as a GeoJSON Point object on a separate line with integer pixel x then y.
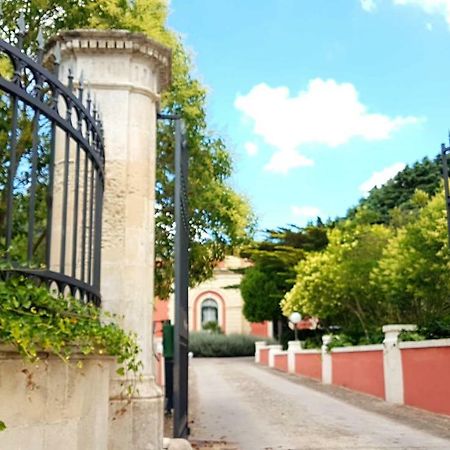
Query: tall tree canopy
{"type": "Point", "coordinates": [333, 284]}
{"type": "Point", "coordinates": [220, 218]}
{"type": "Point", "coordinates": [264, 285]}
{"type": "Point", "coordinates": [395, 195]}
{"type": "Point", "coordinates": [413, 274]}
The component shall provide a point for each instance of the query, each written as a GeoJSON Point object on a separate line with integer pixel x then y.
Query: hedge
{"type": "Point", "coordinates": [220, 345]}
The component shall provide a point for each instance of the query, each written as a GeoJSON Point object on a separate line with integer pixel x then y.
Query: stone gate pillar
{"type": "Point", "coordinates": [126, 73]}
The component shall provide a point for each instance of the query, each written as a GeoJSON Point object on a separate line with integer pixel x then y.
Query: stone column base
{"type": "Point", "coordinates": [137, 423]}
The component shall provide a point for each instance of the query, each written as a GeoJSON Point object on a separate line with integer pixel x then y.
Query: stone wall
{"type": "Point", "coordinates": [53, 404]}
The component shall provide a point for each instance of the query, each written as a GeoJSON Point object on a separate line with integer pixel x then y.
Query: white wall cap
{"type": "Point", "coordinates": [358, 348]}
{"type": "Point", "coordinates": [307, 351]}
{"type": "Point", "coordinates": [294, 345]}
{"type": "Point", "coordinates": [279, 352]}
{"type": "Point", "coordinates": [425, 344]}
{"type": "Point", "coordinates": [398, 328]}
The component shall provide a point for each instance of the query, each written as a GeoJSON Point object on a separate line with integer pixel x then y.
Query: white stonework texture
{"type": "Point", "coordinates": [126, 73]}
{"type": "Point", "coordinates": [52, 404]}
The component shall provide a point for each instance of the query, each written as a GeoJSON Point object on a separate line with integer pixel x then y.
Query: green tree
{"type": "Point", "coordinates": [396, 194]}
{"type": "Point", "coordinates": [220, 218]}
{"type": "Point", "coordinates": [334, 284]}
{"type": "Point", "coordinates": [273, 274]}
{"type": "Point", "coordinates": [413, 274]}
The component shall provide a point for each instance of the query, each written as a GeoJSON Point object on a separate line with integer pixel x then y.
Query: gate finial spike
{"type": "Point", "coordinates": [40, 39]}
{"type": "Point", "coordinates": [21, 23]}
{"type": "Point", "coordinates": [57, 53]}
{"type": "Point", "coordinates": [70, 78]}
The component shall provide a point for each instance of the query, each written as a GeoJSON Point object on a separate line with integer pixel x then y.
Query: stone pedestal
{"type": "Point", "coordinates": [392, 359]}
{"type": "Point", "coordinates": [293, 347]}
{"type": "Point", "coordinates": [258, 346]}
{"type": "Point", "coordinates": [327, 364]}
{"type": "Point", "coordinates": [273, 350]}
{"type": "Point", "coordinates": [126, 73]}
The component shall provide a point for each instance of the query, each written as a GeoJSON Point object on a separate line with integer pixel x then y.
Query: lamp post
{"type": "Point", "coordinates": [295, 318]}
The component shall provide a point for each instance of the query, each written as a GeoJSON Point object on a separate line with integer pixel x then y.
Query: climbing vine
{"type": "Point", "coordinates": [34, 321]}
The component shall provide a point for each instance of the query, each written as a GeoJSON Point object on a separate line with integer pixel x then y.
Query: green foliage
{"type": "Point", "coordinates": [220, 218]}
{"type": "Point", "coordinates": [35, 321]}
{"type": "Point", "coordinates": [212, 327]}
{"type": "Point", "coordinates": [2, 426]}
{"type": "Point", "coordinates": [264, 285]}
{"type": "Point", "coordinates": [412, 276]}
{"type": "Point", "coordinates": [257, 290]}
{"type": "Point", "coordinates": [333, 284]}
{"type": "Point", "coordinates": [221, 345]}
{"type": "Point", "coordinates": [394, 197]}
{"type": "Point", "coordinates": [411, 336]}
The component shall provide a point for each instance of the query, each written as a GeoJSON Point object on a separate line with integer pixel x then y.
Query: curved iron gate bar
{"type": "Point", "coordinates": [88, 135]}
{"type": "Point", "coordinates": [57, 89]}
{"type": "Point", "coordinates": [87, 292]}
{"type": "Point", "coordinates": [12, 88]}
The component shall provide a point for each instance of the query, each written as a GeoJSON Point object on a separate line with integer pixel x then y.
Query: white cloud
{"type": "Point", "coordinates": [379, 178]}
{"type": "Point", "coordinates": [368, 5]}
{"type": "Point", "coordinates": [305, 211]}
{"type": "Point", "coordinates": [326, 112]}
{"type": "Point", "coordinates": [251, 148]}
{"type": "Point", "coordinates": [441, 7]}
{"type": "Point", "coordinates": [284, 160]}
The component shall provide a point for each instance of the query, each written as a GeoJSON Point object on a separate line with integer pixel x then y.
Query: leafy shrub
{"type": "Point", "coordinates": [33, 320]}
{"type": "Point", "coordinates": [212, 327]}
{"type": "Point", "coordinates": [220, 345]}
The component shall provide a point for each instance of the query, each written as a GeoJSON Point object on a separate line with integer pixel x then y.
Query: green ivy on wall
{"type": "Point", "coordinates": [34, 320]}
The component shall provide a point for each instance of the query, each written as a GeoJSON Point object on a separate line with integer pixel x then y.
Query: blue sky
{"type": "Point", "coordinates": [318, 100]}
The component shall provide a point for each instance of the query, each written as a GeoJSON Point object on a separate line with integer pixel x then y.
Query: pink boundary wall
{"type": "Point", "coordinates": [281, 362]}
{"type": "Point", "coordinates": [360, 371]}
{"type": "Point", "coordinates": [309, 365]}
{"type": "Point", "coordinates": [426, 378]}
{"type": "Point", "coordinates": [423, 367]}
{"type": "Point", "coordinates": [264, 356]}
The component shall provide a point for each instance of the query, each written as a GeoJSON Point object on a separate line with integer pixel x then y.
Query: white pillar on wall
{"type": "Point", "coordinates": [392, 362]}
{"type": "Point", "coordinates": [327, 363]}
{"type": "Point", "coordinates": [293, 347]}
{"type": "Point", "coordinates": [126, 72]}
{"type": "Point", "coordinates": [273, 350]}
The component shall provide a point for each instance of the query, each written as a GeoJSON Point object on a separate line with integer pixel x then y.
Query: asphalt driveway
{"type": "Point", "coordinates": [251, 407]}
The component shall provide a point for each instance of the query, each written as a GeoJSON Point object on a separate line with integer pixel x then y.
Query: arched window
{"type": "Point", "coordinates": [210, 311]}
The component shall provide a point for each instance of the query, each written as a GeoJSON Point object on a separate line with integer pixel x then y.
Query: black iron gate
{"type": "Point", "coordinates": [444, 153]}
{"type": "Point", "coordinates": [180, 399]}
{"type": "Point", "coordinates": [51, 175]}
{"type": "Point", "coordinates": [181, 330]}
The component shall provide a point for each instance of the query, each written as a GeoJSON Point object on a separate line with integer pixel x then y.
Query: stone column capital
{"type": "Point", "coordinates": [111, 44]}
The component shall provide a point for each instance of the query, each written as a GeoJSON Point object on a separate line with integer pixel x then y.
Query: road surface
{"type": "Point", "coordinates": [253, 407]}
